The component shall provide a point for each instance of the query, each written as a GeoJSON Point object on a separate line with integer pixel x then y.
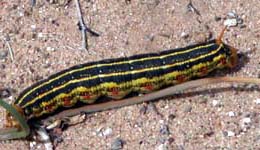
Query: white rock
{"type": "Point", "coordinates": [257, 101]}
{"type": "Point", "coordinates": [230, 22]}
{"type": "Point", "coordinates": [246, 120]}
{"type": "Point", "coordinates": [50, 49]}
{"type": "Point", "coordinates": [40, 35]}
{"type": "Point", "coordinates": [162, 147]}
{"type": "Point", "coordinates": [184, 35]}
{"type": "Point", "coordinates": [215, 102]}
{"type": "Point", "coordinates": [33, 26]}
{"type": "Point", "coordinates": [31, 144]}
{"type": "Point", "coordinates": [230, 133]}
{"type": "Point", "coordinates": [231, 114]}
{"type": "Point", "coordinates": [107, 132]}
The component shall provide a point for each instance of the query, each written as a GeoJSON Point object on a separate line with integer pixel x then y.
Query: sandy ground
{"type": "Point", "coordinates": [46, 39]}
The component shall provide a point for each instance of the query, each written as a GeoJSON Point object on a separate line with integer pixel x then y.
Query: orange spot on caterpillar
{"type": "Point", "coordinates": [203, 71]}
{"type": "Point", "coordinates": [86, 96]}
{"type": "Point", "coordinates": [67, 101]}
{"type": "Point", "coordinates": [181, 78]}
{"type": "Point", "coordinates": [149, 86]}
{"type": "Point", "coordinates": [49, 107]}
{"type": "Point", "coordinates": [223, 61]}
{"type": "Point", "coordinates": [115, 91]}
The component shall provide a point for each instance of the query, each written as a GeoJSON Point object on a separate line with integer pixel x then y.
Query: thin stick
{"type": "Point", "coordinates": [82, 25]}
{"type": "Point", "coordinates": [10, 50]}
{"type": "Point", "coordinates": [84, 29]}
{"type": "Point", "coordinates": [152, 96]}
{"type": "Point", "coordinates": [192, 8]}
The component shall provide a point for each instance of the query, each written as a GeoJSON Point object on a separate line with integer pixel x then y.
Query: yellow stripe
{"type": "Point", "coordinates": [124, 73]}
{"type": "Point", "coordinates": [115, 63]}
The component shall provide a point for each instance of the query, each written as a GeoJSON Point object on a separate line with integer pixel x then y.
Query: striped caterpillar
{"type": "Point", "coordinates": [116, 78]}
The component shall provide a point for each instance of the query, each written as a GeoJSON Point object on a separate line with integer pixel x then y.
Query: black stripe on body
{"type": "Point", "coordinates": [129, 77]}
{"type": "Point", "coordinates": [123, 67]}
{"type": "Point", "coordinates": [114, 68]}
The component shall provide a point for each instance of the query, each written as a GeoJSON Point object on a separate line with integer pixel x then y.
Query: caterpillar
{"type": "Point", "coordinates": [116, 78]}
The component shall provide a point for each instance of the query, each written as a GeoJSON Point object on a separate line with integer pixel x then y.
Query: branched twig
{"type": "Point", "coordinates": [83, 27]}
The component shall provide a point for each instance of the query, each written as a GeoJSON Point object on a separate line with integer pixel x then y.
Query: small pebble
{"type": "Point", "coordinates": [106, 132]}
{"type": "Point", "coordinates": [171, 140]}
{"type": "Point", "coordinates": [140, 142]}
{"type": "Point", "coordinates": [2, 66]}
{"type": "Point", "coordinates": [171, 116]}
{"type": "Point", "coordinates": [246, 120]}
{"type": "Point", "coordinates": [21, 14]}
{"type": "Point", "coordinates": [143, 109]}
{"type": "Point", "coordinates": [48, 146]}
{"type": "Point", "coordinates": [7, 37]}
{"type": "Point", "coordinates": [230, 22]}
{"type": "Point", "coordinates": [33, 27]}
{"type": "Point", "coordinates": [257, 101]}
{"type": "Point", "coordinates": [32, 144]}
{"type": "Point", "coordinates": [240, 21]}
{"type": "Point", "coordinates": [5, 93]}
{"type": "Point", "coordinates": [33, 36]}
{"type": "Point", "coordinates": [161, 121]}
{"type": "Point", "coordinates": [117, 144]}
{"type": "Point", "coordinates": [184, 35]}
{"type": "Point", "coordinates": [230, 133]}
{"type": "Point", "coordinates": [162, 147]}
{"type": "Point", "coordinates": [40, 35]}
{"type": "Point", "coordinates": [149, 37]}
{"type": "Point", "coordinates": [187, 108]}
{"type": "Point", "coordinates": [164, 129]}
{"type": "Point", "coordinates": [217, 18]}
{"type": "Point", "coordinates": [50, 49]}
{"type": "Point", "coordinates": [215, 103]}
{"type": "Point", "coordinates": [245, 123]}
{"type": "Point", "coordinates": [3, 54]}
{"type": "Point", "coordinates": [231, 114]}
